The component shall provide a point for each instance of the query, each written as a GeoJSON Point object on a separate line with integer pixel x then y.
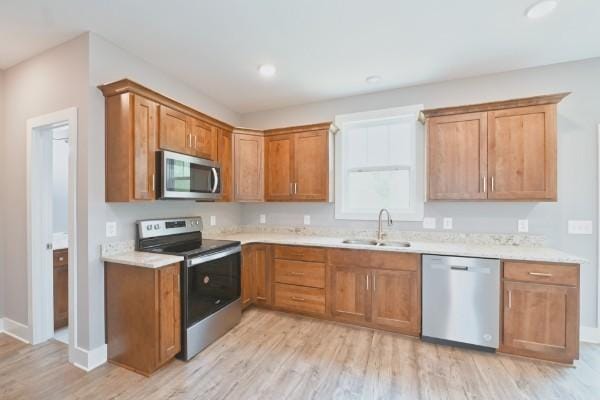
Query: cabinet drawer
{"type": "Point", "coordinates": [60, 258]}
{"type": "Point", "coordinates": [375, 259]}
{"type": "Point", "coordinates": [300, 253]}
{"type": "Point", "coordinates": [300, 298]}
{"type": "Point", "coordinates": [301, 273]}
{"type": "Point", "coordinates": [557, 274]}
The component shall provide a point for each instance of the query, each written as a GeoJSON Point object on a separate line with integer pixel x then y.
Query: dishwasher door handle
{"type": "Point", "coordinates": [459, 267]}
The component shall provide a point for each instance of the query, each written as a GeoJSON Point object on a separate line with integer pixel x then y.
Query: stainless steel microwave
{"type": "Point", "coordinates": [185, 177]}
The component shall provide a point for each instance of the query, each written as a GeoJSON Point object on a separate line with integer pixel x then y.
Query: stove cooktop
{"type": "Point", "coordinates": [194, 248]}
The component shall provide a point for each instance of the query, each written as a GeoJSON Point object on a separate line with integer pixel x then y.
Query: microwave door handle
{"type": "Point", "coordinates": [216, 176]}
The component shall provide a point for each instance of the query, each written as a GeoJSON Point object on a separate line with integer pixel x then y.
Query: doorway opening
{"type": "Point", "coordinates": [51, 227]}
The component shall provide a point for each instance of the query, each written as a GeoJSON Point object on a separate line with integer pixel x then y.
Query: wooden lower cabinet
{"type": "Point", "coordinates": [350, 300]}
{"type": "Point", "coordinates": [396, 300]}
{"type": "Point", "coordinates": [256, 275]}
{"type": "Point", "coordinates": [143, 316]}
{"type": "Point", "coordinates": [61, 288]}
{"type": "Point", "coordinates": [540, 320]}
{"type": "Point", "coordinates": [300, 298]}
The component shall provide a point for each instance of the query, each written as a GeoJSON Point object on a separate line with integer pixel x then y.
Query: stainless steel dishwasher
{"type": "Point", "coordinates": [461, 301]}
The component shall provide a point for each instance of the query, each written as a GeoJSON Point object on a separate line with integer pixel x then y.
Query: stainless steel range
{"type": "Point", "coordinates": [210, 278]}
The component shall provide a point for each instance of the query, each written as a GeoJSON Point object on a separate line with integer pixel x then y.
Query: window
{"type": "Point", "coordinates": [379, 164]}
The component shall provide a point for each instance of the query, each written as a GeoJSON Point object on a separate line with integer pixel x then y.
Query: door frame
{"type": "Point", "coordinates": [40, 276]}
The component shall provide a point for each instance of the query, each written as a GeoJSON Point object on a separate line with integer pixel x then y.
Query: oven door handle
{"type": "Point", "coordinates": [215, 256]}
{"type": "Point", "coordinates": [216, 176]}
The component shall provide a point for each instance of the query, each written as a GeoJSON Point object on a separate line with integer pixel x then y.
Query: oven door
{"type": "Point", "coordinates": [185, 177]}
{"type": "Point", "coordinates": [211, 282]}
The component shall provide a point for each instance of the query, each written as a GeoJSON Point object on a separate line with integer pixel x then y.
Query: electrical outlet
{"type": "Point", "coordinates": [447, 223]}
{"type": "Point", "coordinates": [262, 219]}
{"type": "Point", "coordinates": [307, 220]}
{"type": "Point", "coordinates": [580, 227]}
{"type": "Point", "coordinates": [429, 223]}
{"type": "Point", "coordinates": [523, 225]}
{"type": "Point", "coordinates": [213, 220]}
{"type": "Point", "coordinates": [111, 229]}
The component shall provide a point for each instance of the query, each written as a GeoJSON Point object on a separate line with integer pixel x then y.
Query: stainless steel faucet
{"type": "Point", "coordinates": [389, 222]}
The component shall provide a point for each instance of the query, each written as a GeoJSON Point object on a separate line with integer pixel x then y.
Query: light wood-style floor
{"type": "Point", "coordinates": [273, 355]}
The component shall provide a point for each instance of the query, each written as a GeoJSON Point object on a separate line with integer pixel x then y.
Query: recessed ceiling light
{"type": "Point", "coordinates": [373, 79]}
{"type": "Point", "coordinates": [267, 70]}
{"type": "Point", "coordinates": [541, 9]}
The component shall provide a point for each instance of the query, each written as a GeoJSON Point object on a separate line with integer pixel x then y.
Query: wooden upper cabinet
{"type": "Point", "coordinates": [457, 148]}
{"type": "Point", "coordinates": [522, 153]}
{"type": "Point", "coordinates": [396, 300]}
{"type": "Point", "coordinates": [204, 139]}
{"type": "Point", "coordinates": [297, 163]}
{"type": "Point", "coordinates": [311, 165]}
{"type": "Point", "coordinates": [175, 131]}
{"type": "Point", "coordinates": [225, 159]}
{"type": "Point", "coordinates": [541, 321]}
{"type": "Point", "coordinates": [248, 166]}
{"type": "Point", "coordinates": [494, 151]}
{"type": "Point", "coordinates": [131, 136]}
{"type": "Point", "coordinates": [279, 167]}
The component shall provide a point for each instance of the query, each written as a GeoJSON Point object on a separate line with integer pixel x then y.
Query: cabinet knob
{"type": "Point", "coordinates": [61, 258]}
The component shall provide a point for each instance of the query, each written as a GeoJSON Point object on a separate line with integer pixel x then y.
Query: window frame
{"type": "Point", "coordinates": [417, 199]}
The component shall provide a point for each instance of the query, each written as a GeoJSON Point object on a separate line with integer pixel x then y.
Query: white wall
{"type": "Point", "coordinates": [2, 147]}
{"type": "Point", "coordinates": [109, 63]}
{"type": "Point", "coordinates": [578, 117]}
{"type": "Point", "coordinates": [52, 81]}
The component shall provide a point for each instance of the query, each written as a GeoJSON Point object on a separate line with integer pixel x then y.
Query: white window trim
{"type": "Point", "coordinates": [418, 199]}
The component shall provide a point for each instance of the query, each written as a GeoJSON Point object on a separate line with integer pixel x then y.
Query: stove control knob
{"type": "Point", "coordinates": [197, 222]}
{"type": "Point", "coordinates": [148, 227]}
{"type": "Point", "coordinates": [156, 226]}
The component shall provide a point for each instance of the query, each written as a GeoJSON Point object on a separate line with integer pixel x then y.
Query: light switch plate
{"type": "Point", "coordinates": [580, 227]}
{"type": "Point", "coordinates": [307, 220]}
{"type": "Point", "coordinates": [213, 220]}
{"type": "Point", "coordinates": [447, 223]}
{"type": "Point", "coordinates": [262, 219]}
{"type": "Point", "coordinates": [523, 225]}
{"type": "Point", "coordinates": [111, 229]}
{"type": "Point", "coordinates": [429, 223]}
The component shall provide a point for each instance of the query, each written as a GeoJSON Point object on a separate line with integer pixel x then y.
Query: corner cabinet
{"type": "Point", "coordinates": [493, 151]}
{"type": "Point", "coordinates": [297, 163]}
{"type": "Point", "coordinates": [256, 275]}
{"type": "Point", "coordinates": [248, 168]}
{"type": "Point", "coordinates": [140, 122]}
{"type": "Point", "coordinates": [143, 316]}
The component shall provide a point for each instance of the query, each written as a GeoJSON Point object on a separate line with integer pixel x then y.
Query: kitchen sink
{"type": "Point", "coordinates": [371, 242]}
{"type": "Point", "coordinates": [364, 242]}
{"type": "Point", "coordinates": [394, 244]}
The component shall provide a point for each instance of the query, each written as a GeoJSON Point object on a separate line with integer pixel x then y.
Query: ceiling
{"type": "Point", "coordinates": [322, 48]}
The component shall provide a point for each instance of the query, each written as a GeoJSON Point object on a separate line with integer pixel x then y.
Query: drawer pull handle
{"type": "Point", "coordinates": [297, 273]}
{"type": "Point", "coordinates": [544, 274]}
{"type": "Point", "coordinates": [298, 298]}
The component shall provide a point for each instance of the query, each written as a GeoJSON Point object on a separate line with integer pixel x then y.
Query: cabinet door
{"type": "Point", "coordinates": [224, 156]}
{"type": "Point", "coordinates": [145, 126]}
{"type": "Point", "coordinates": [457, 154]}
{"type": "Point", "coordinates": [279, 167]}
{"type": "Point", "coordinates": [396, 300]}
{"type": "Point", "coordinates": [262, 276]}
{"type": "Point", "coordinates": [248, 167]}
{"type": "Point", "coordinates": [61, 288]}
{"type": "Point", "coordinates": [350, 297]}
{"type": "Point", "coordinates": [204, 139]}
{"type": "Point", "coordinates": [311, 166]}
{"type": "Point", "coordinates": [541, 320]}
{"type": "Point", "coordinates": [522, 153]}
{"type": "Point", "coordinates": [169, 312]}
{"type": "Point", "coordinates": [174, 132]}
{"type": "Point", "coordinates": [248, 268]}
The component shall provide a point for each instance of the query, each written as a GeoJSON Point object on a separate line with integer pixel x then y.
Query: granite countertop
{"type": "Point", "coordinates": [505, 252]}
{"type": "Point", "coordinates": [141, 259]}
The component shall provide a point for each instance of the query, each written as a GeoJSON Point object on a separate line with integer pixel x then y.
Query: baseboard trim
{"type": "Point", "coordinates": [87, 360]}
{"type": "Point", "coordinates": [15, 329]}
{"type": "Point", "coordinates": [589, 334]}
